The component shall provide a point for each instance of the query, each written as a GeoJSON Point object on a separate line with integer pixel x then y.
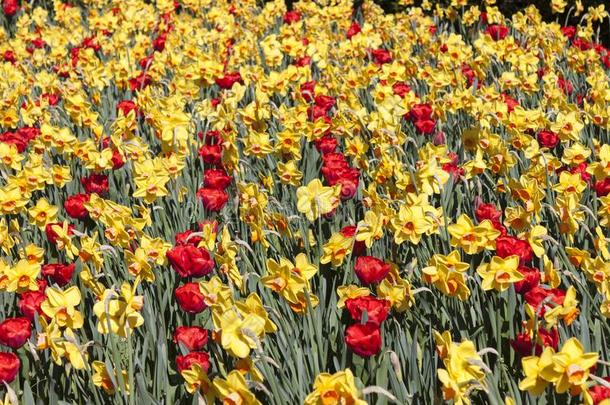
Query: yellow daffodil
{"type": "Point", "coordinates": [500, 273]}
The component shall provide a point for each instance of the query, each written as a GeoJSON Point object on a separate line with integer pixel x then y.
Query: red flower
{"type": "Point", "coordinates": [185, 362]}
{"type": "Point", "coordinates": [508, 246]}
{"type": "Point", "coordinates": [159, 42]}
{"type": "Point", "coordinates": [537, 295]}
{"type": "Point", "coordinates": [146, 62]}
{"type": "Point", "coordinates": [531, 280]}
{"type": "Point", "coordinates": [190, 261]}
{"type": "Point", "coordinates": [52, 99]}
{"type": "Point", "coordinates": [42, 284]}
{"type": "Point", "coordinates": [602, 187]}
{"type": "Point", "coordinates": [548, 338]}
{"type": "Point", "coordinates": [52, 235]}
{"type": "Point", "coordinates": [9, 367]}
{"type": "Point", "coordinates": [497, 32]}
{"type": "Point", "coordinates": [376, 309]}
{"type": "Point", "coordinates": [75, 206]}
{"type": "Point", "coordinates": [184, 238]}
{"type": "Point", "coordinates": [140, 81]}
{"type": "Point", "coordinates": [9, 56]}
{"type": "Point", "coordinates": [348, 187]}
{"type": "Point", "coordinates": [117, 160]}
{"type": "Point", "coordinates": [292, 17]}
{"type": "Point", "coordinates": [213, 200]}
{"type": "Point", "coordinates": [59, 273]}
{"type": "Point", "coordinates": [569, 31]}
{"type": "Point", "coordinates": [126, 106]}
{"type": "Point", "coordinates": [228, 80]}
{"type": "Point", "coordinates": [192, 337]}
{"type": "Point", "coordinates": [190, 298]}
{"type": "Point", "coordinates": [326, 102]}
{"type": "Point", "coordinates": [217, 179]}
{"type": "Point", "coordinates": [606, 60]}
{"type": "Point", "coordinates": [401, 89]}
{"type": "Point", "coordinates": [347, 177]}
{"type": "Point", "coordinates": [381, 56]}
{"type": "Point", "coordinates": [90, 42]}
{"type": "Point", "coordinates": [28, 133]}
{"type": "Point", "coordinates": [548, 139]}
{"type": "Point", "coordinates": [332, 162]}
{"type": "Point", "coordinates": [211, 154]}
{"type": "Point", "coordinates": [469, 75]}
{"type": "Point", "coordinates": [308, 90]}
{"type": "Point", "coordinates": [95, 183]}
{"type": "Point", "coordinates": [353, 30]}
{"type": "Point", "coordinates": [510, 102]}
{"type": "Point", "coordinates": [10, 7]}
{"type": "Point", "coordinates": [211, 137]}
{"type": "Point", "coordinates": [565, 86]}
{"type": "Point", "coordinates": [370, 269]}
{"type": "Point", "coordinates": [340, 173]}
{"type": "Point", "coordinates": [326, 144]}
{"type": "Point", "coordinates": [14, 332]}
{"type": "Point", "coordinates": [20, 138]}
{"type": "Point", "coordinates": [524, 345]}
{"type": "Point", "coordinates": [302, 61]}
{"type": "Point", "coordinates": [453, 169]}
{"type": "Point", "coordinates": [599, 392]}
{"type": "Point", "coordinates": [420, 112]}
{"type": "Point", "coordinates": [30, 302]}
{"type": "Point", "coordinates": [364, 340]}
{"type": "Point", "coordinates": [315, 112]}
{"type": "Point", "coordinates": [425, 127]}
{"type": "Point", "coordinates": [359, 245]}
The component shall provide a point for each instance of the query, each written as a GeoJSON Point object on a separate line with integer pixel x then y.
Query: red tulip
{"type": "Point", "coordinates": [353, 30]}
{"type": "Point", "coordinates": [350, 232]}
{"type": "Point", "coordinates": [487, 211]}
{"type": "Point", "coordinates": [211, 154]}
{"type": "Point", "coordinates": [192, 337]}
{"type": "Point", "coordinates": [75, 206]}
{"type": "Point", "coordinates": [364, 340]}
{"type": "Point", "coordinates": [370, 269]}
{"type": "Point", "coordinates": [497, 32]}
{"type": "Point", "coordinates": [217, 179]}
{"type": "Point", "coordinates": [9, 367]}
{"type": "Point", "coordinates": [548, 139]}
{"type": "Point", "coordinates": [291, 17]}
{"type": "Point", "coordinates": [10, 7]}
{"type": "Point", "coordinates": [213, 200]}
{"type": "Point", "coordinates": [326, 144]}
{"type": "Point", "coordinates": [30, 302]}
{"type": "Point", "coordinates": [14, 332]}
{"type": "Point", "coordinates": [190, 261]}
{"type": "Point", "coordinates": [59, 273]}
{"type": "Point", "coordinates": [95, 183]}
{"type": "Point", "coordinates": [531, 280]}
{"type": "Point", "coordinates": [376, 309]}
{"type": "Point", "coordinates": [228, 80]}
{"type": "Point", "coordinates": [508, 246]}
{"type": "Point", "coordinates": [185, 238]}
{"type": "Point", "coordinates": [381, 56]}
{"type": "Point", "coordinates": [185, 362]}
{"type": "Point", "coordinates": [190, 298]}
{"type": "Point", "coordinates": [420, 112]}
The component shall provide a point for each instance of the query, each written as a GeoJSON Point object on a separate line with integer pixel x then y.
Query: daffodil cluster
{"type": "Point", "coordinates": [242, 203]}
